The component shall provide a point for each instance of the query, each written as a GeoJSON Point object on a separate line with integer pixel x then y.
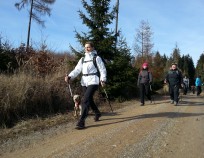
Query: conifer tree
{"type": "Point", "coordinates": [191, 70]}
{"type": "Point", "coordinates": [175, 58]}
{"type": "Point", "coordinates": [143, 41]}
{"type": "Point", "coordinates": [124, 76]}
{"type": "Point", "coordinates": [98, 19]}
{"type": "Point", "coordinates": [176, 55]}
{"type": "Point", "coordinates": [158, 67]}
{"type": "Point", "coordinates": [200, 67]}
{"type": "Point", "coordinates": [187, 67]}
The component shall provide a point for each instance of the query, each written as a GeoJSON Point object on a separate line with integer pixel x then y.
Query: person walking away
{"type": "Point", "coordinates": [198, 84]}
{"type": "Point", "coordinates": [90, 81]}
{"type": "Point", "coordinates": [144, 81]}
{"type": "Point", "coordinates": [185, 85]}
{"type": "Point", "coordinates": [175, 80]}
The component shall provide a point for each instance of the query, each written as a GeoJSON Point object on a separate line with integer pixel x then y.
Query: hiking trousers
{"type": "Point", "coordinates": [88, 101]}
{"type": "Point", "coordinates": [144, 91]}
{"type": "Point", "coordinates": [174, 92]}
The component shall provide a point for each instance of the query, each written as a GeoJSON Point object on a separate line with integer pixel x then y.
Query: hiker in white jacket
{"type": "Point", "coordinates": [92, 76]}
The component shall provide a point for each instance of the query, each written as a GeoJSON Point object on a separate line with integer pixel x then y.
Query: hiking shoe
{"type": "Point", "coordinates": [96, 117]}
{"type": "Point", "coordinates": [80, 125]}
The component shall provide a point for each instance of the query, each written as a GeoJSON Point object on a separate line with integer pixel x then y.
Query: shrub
{"type": "Point", "coordinates": [23, 96]}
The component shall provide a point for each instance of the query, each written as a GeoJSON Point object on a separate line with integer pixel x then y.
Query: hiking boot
{"type": "Point", "coordinates": [96, 117]}
{"type": "Point", "coordinates": [142, 104]}
{"type": "Point", "coordinates": [80, 125]}
{"type": "Point", "coordinates": [172, 101]}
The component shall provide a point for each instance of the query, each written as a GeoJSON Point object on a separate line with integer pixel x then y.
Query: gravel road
{"type": "Point", "coordinates": [157, 130]}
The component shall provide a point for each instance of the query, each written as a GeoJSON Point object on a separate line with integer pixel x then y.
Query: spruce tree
{"type": "Point", "coordinates": [200, 67]}
{"type": "Point", "coordinates": [123, 78]}
{"type": "Point", "coordinates": [191, 70]}
{"type": "Point", "coordinates": [158, 65]}
{"type": "Point", "coordinates": [98, 18]}
{"type": "Point", "coordinates": [187, 67]}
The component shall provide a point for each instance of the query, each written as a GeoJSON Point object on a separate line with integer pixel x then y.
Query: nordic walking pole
{"type": "Point", "coordinates": [70, 90]}
{"type": "Point", "coordinates": [75, 110]}
{"type": "Point", "coordinates": [69, 87]}
{"type": "Point", "coordinates": [71, 94]}
{"type": "Point", "coordinates": [151, 91]}
{"type": "Point", "coordinates": [107, 98]}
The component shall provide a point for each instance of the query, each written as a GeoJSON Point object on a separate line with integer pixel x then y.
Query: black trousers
{"type": "Point", "coordinates": [88, 101]}
{"type": "Point", "coordinates": [185, 89]}
{"type": "Point", "coordinates": [199, 90]}
{"type": "Point", "coordinates": [144, 91]}
{"type": "Point", "coordinates": [174, 92]}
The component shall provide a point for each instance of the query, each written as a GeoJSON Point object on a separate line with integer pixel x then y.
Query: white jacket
{"type": "Point", "coordinates": [87, 68]}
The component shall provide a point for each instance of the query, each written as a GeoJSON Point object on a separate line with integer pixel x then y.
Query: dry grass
{"type": "Point", "coordinates": [31, 125]}
{"type": "Point", "coordinates": [25, 127]}
{"type": "Point", "coordinates": [23, 95]}
{"type": "Point", "coordinates": [26, 99]}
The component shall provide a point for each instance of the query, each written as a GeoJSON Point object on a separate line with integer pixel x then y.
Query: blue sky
{"type": "Point", "coordinates": [173, 22]}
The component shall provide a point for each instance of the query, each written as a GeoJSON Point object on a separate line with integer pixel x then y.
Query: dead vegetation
{"type": "Point", "coordinates": [35, 89]}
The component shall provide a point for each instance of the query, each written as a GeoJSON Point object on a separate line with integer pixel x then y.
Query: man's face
{"type": "Point", "coordinates": [173, 67]}
{"type": "Point", "coordinates": [88, 48]}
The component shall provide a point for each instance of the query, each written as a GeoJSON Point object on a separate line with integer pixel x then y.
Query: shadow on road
{"type": "Point", "coordinates": [145, 116]}
{"type": "Point", "coordinates": [172, 115]}
{"type": "Point", "coordinates": [188, 103]}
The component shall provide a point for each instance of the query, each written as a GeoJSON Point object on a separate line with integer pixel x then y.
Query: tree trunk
{"type": "Point", "coordinates": [29, 25]}
{"type": "Point", "coordinates": [116, 26]}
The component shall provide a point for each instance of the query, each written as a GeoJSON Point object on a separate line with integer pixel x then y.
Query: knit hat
{"type": "Point", "coordinates": [145, 64]}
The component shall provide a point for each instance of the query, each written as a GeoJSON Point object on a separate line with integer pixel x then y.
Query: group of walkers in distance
{"type": "Point", "coordinates": [174, 79]}
{"type": "Point", "coordinates": [94, 73]}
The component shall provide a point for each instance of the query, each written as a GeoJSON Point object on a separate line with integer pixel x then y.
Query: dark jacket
{"type": "Point", "coordinates": [174, 77]}
{"type": "Point", "coordinates": [144, 77]}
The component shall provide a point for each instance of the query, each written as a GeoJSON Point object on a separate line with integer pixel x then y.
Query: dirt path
{"type": "Point", "coordinates": [154, 130]}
